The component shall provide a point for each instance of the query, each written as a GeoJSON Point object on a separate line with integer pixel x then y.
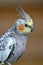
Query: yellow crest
{"type": "Point", "coordinates": [30, 22]}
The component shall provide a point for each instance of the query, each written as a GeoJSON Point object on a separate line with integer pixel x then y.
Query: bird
{"type": "Point", "coordinates": [13, 42]}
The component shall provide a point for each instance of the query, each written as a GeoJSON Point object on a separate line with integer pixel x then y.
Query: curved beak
{"type": "Point", "coordinates": [32, 28]}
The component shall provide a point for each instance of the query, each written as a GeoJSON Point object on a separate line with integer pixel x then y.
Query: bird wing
{"type": "Point", "coordinates": [6, 47]}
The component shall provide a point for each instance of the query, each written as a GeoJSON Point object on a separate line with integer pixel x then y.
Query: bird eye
{"type": "Point", "coordinates": [26, 25]}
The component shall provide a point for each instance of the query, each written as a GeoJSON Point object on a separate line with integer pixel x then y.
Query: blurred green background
{"type": "Point", "coordinates": [33, 54]}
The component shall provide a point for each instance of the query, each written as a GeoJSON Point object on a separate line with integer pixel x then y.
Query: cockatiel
{"type": "Point", "coordinates": [13, 42]}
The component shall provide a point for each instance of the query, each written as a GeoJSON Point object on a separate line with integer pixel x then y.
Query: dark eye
{"type": "Point", "coordinates": [26, 25]}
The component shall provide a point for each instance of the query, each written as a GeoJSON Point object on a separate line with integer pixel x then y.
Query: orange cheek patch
{"type": "Point", "coordinates": [21, 27]}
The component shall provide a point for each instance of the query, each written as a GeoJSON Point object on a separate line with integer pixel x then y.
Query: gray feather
{"type": "Point", "coordinates": [21, 12]}
{"type": "Point", "coordinates": [12, 46]}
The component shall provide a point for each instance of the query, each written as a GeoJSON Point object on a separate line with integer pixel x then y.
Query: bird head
{"type": "Point", "coordinates": [24, 25]}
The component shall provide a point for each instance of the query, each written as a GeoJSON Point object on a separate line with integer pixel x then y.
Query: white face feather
{"type": "Point", "coordinates": [21, 28]}
{"type": "Point", "coordinates": [25, 20]}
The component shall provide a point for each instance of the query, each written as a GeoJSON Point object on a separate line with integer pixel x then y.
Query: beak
{"type": "Point", "coordinates": [32, 28]}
